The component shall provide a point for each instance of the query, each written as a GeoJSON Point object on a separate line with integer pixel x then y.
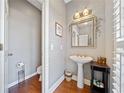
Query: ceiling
{"type": "Point", "coordinates": [36, 3]}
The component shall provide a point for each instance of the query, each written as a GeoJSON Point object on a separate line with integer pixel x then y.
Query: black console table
{"type": "Point", "coordinates": [105, 70]}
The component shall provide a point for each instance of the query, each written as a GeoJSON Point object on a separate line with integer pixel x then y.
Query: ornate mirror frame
{"type": "Point", "coordinates": [83, 20]}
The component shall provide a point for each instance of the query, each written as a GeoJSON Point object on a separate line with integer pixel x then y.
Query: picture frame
{"type": "Point", "coordinates": [58, 29]}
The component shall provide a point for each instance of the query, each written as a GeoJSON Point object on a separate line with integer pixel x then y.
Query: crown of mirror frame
{"type": "Point", "coordinates": [84, 13]}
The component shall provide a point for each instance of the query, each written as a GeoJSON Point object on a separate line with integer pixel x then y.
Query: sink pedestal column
{"type": "Point", "coordinates": [80, 83]}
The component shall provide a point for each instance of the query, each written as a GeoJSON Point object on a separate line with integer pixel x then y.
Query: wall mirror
{"type": "Point", "coordinates": [83, 32]}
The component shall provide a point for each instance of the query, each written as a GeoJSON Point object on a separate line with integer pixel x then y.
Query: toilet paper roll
{"type": "Point", "coordinates": [20, 65]}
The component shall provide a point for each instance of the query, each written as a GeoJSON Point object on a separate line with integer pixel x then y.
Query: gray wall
{"type": "Point", "coordinates": [109, 30]}
{"type": "Point", "coordinates": [57, 44]}
{"type": "Point", "coordinates": [24, 37]}
{"type": "Point", "coordinates": [98, 7]}
{"type": "Point", "coordinates": [109, 37]}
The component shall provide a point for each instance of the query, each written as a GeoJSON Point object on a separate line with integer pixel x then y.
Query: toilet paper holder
{"type": "Point", "coordinates": [21, 72]}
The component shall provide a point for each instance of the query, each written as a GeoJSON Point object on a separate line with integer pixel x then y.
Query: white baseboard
{"type": "Point", "coordinates": [86, 81]}
{"type": "Point", "coordinates": [16, 82]}
{"type": "Point", "coordinates": [56, 84]}
{"type": "Point", "coordinates": [12, 84]}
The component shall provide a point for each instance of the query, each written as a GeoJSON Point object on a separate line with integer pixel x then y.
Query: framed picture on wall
{"type": "Point", "coordinates": [59, 29]}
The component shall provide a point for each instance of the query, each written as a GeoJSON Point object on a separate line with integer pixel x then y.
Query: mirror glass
{"type": "Point", "coordinates": [83, 33]}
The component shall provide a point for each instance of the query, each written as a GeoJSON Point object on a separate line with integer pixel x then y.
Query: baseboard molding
{"type": "Point", "coordinates": [29, 76]}
{"type": "Point", "coordinates": [16, 82]}
{"type": "Point", "coordinates": [56, 84]}
{"type": "Point", "coordinates": [86, 81]}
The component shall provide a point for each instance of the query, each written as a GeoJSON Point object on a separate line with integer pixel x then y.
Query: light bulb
{"type": "Point", "coordinates": [77, 15]}
{"type": "Point", "coordinates": [86, 12]}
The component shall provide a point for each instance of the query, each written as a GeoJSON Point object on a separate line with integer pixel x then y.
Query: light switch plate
{"type": "Point", "coordinates": [1, 47]}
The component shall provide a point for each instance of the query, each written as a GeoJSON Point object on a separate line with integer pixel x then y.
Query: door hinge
{"type": "Point", "coordinates": [1, 47]}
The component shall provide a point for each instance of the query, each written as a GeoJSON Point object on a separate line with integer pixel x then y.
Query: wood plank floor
{"type": "Point", "coordinates": [71, 87]}
{"type": "Point", "coordinates": [31, 85]}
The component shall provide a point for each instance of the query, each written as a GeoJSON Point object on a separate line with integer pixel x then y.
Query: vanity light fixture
{"type": "Point", "coordinates": [84, 13]}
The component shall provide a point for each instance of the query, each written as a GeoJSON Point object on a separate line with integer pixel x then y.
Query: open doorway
{"type": "Point", "coordinates": [24, 46]}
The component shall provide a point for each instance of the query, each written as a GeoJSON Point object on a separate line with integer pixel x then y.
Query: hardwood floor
{"type": "Point", "coordinates": [71, 87]}
{"type": "Point", "coordinates": [31, 85]}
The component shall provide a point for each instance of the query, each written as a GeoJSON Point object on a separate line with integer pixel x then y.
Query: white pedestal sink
{"type": "Point", "coordinates": [80, 60]}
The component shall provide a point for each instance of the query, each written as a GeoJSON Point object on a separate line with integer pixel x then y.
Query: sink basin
{"type": "Point", "coordinates": [80, 60]}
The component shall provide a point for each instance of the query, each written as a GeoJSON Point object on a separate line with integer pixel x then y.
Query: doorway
{"type": "Point", "coordinates": [4, 44]}
{"type": "Point", "coordinates": [24, 45]}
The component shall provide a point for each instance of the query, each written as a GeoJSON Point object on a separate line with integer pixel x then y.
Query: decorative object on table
{"type": "Point", "coordinates": [59, 29]}
{"type": "Point", "coordinates": [98, 83]}
{"type": "Point", "coordinates": [21, 72]}
{"type": "Point", "coordinates": [101, 60]}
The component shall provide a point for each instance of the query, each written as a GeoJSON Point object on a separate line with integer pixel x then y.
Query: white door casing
{"type": "Point", "coordinates": [2, 13]}
{"type": "Point", "coordinates": [45, 47]}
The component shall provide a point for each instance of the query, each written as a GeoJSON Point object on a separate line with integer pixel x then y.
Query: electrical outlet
{"type": "Point", "coordinates": [1, 47]}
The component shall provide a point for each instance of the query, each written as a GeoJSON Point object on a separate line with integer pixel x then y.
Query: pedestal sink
{"type": "Point", "coordinates": [80, 60]}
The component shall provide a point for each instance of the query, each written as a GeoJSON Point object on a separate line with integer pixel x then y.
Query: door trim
{"type": "Point", "coordinates": [45, 48]}
{"type": "Point", "coordinates": [2, 16]}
